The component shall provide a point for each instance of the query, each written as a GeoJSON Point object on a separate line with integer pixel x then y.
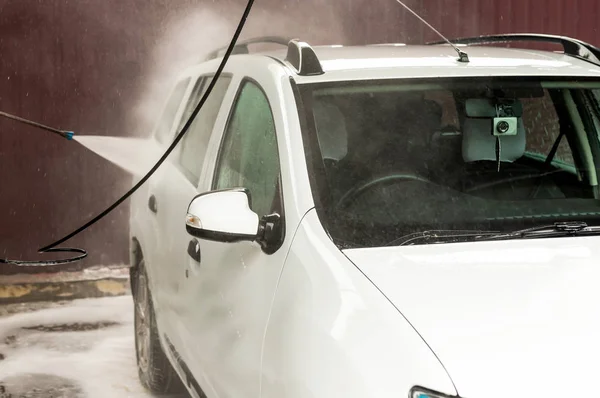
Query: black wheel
{"type": "Point", "coordinates": [154, 369]}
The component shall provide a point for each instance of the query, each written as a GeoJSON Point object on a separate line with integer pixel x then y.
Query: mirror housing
{"type": "Point", "coordinates": [222, 216]}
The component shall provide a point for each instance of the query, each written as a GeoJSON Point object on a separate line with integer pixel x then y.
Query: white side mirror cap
{"type": "Point", "coordinates": [222, 216]}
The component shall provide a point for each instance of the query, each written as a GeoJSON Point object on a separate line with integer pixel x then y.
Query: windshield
{"type": "Point", "coordinates": [392, 158]}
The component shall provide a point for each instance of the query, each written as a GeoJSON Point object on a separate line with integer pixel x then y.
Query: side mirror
{"type": "Point", "coordinates": [222, 216]}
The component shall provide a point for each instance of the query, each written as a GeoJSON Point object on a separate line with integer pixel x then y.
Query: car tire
{"type": "Point", "coordinates": [154, 369]}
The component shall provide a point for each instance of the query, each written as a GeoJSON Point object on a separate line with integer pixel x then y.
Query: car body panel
{"type": "Point", "coordinates": [333, 334]}
{"type": "Point", "coordinates": [505, 317]}
{"type": "Point", "coordinates": [149, 228]}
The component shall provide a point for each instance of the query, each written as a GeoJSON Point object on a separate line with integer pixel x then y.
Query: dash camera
{"type": "Point", "coordinates": [504, 126]}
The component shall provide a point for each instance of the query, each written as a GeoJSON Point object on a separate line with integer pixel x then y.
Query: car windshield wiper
{"type": "Point", "coordinates": [566, 228]}
{"type": "Point", "coordinates": [441, 236]}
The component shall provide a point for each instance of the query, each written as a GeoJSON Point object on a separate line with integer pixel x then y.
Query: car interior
{"type": "Point", "coordinates": [369, 136]}
{"type": "Point", "coordinates": [394, 156]}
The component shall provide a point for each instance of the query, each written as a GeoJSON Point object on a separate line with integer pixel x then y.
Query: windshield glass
{"type": "Point", "coordinates": [391, 158]}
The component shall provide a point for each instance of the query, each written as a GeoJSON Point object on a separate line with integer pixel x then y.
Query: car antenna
{"type": "Point", "coordinates": [462, 56]}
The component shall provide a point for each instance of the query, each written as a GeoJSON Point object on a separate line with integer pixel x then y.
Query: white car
{"type": "Point", "coordinates": [378, 221]}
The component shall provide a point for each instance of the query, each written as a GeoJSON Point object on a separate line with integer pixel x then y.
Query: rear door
{"type": "Point", "coordinates": [148, 198]}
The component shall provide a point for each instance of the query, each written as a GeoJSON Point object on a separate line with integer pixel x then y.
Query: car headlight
{"type": "Point", "coordinates": [420, 392]}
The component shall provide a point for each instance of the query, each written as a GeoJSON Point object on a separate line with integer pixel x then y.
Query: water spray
{"type": "Point", "coordinates": [69, 136]}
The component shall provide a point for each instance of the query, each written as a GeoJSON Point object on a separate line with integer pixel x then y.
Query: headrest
{"type": "Point", "coordinates": [479, 144]}
{"type": "Point", "coordinates": [331, 130]}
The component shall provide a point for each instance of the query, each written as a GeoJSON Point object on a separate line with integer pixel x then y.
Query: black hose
{"type": "Point", "coordinates": [51, 248]}
{"type": "Point", "coordinates": [45, 263]}
{"type": "Point", "coordinates": [178, 138]}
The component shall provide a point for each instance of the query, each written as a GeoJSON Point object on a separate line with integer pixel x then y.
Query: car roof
{"type": "Point", "coordinates": [429, 61]}
{"type": "Point", "coordinates": [401, 61]}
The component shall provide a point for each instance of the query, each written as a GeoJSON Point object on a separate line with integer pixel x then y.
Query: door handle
{"type": "Point", "coordinates": [152, 204]}
{"type": "Point", "coordinates": [194, 250]}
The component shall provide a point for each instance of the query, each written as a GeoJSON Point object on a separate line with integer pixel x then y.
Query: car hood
{"type": "Point", "coordinates": [507, 319]}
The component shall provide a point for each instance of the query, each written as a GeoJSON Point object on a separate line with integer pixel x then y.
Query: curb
{"type": "Point", "coordinates": [89, 283]}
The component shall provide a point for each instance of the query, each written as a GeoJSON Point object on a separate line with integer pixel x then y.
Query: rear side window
{"type": "Point", "coordinates": [167, 118]}
{"type": "Point", "coordinates": [197, 91]}
{"type": "Point", "coordinates": [195, 142]}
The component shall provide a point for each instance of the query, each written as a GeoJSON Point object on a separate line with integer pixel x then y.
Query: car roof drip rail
{"type": "Point", "coordinates": [573, 47]}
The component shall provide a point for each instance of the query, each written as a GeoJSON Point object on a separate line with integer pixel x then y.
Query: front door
{"type": "Point", "coordinates": [231, 287]}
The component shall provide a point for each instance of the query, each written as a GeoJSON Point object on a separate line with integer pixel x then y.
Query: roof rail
{"type": "Point", "coordinates": [573, 47]}
{"type": "Point", "coordinates": [303, 58]}
{"type": "Point", "coordinates": [242, 46]}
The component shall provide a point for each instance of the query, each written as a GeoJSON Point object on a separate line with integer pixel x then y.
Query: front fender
{"type": "Point", "coordinates": [332, 333]}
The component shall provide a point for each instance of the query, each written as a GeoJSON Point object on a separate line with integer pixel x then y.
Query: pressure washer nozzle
{"type": "Point", "coordinates": [69, 135]}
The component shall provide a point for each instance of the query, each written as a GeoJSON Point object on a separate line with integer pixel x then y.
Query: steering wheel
{"type": "Point", "coordinates": [385, 179]}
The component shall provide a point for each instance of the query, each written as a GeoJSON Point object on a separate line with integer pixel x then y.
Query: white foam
{"type": "Point", "coordinates": [105, 368]}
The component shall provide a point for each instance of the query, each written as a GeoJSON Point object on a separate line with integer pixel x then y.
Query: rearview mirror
{"type": "Point", "coordinates": [222, 216]}
{"type": "Point", "coordinates": [486, 108]}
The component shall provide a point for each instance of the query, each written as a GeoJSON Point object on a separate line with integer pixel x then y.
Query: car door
{"type": "Point", "coordinates": [175, 185]}
{"type": "Point", "coordinates": [152, 200]}
{"type": "Point", "coordinates": [230, 290]}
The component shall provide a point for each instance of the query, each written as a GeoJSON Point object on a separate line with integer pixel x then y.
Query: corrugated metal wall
{"type": "Point", "coordinates": [82, 65]}
{"type": "Point", "coordinates": [455, 18]}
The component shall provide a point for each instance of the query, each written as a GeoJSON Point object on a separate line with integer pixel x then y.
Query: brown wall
{"type": "Point", "coordinates": [576, 18]}
{"type": "Point", "coordinates": [84, 64]}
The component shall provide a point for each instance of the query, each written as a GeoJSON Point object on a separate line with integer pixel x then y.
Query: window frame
{"type": "Point", "coordinates": [279, 196]}
{"type": "Point", "coordinates": [167, 138]}
{"type": "Point", "coordinates": [203, 81]}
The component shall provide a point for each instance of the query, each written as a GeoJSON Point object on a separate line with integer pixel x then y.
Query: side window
{"type": "Point", "coordinates": [248, 157]}
{"type": "Point", "coordinates": [195, 142]}
{"type": "Point", "coordinates": [197, 91]}
{"type": "Point", "coordinates": [543, 128]}
{"type": "Point", "coordinates": [168, 116]}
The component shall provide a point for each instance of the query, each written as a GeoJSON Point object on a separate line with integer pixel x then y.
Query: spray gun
{"type": "Point", "coordinates": [69, 136]}
{"type": "Point", "coordinates": [65, 134]}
